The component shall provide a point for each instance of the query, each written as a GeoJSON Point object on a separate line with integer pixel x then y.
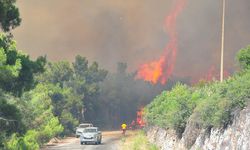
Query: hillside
{"type": "Point", "coordinates": [211, 115]}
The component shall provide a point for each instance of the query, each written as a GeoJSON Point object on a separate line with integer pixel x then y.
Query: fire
{"type": "Point", "coordinates": [152, 71]}
{"type": "Point", "coordinates": [139, 118]}
{"type": "Point", "coordinates": [160, 70]}
{"type": "Point", "coordinates": [212, 74]}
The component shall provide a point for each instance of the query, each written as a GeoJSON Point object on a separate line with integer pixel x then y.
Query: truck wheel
{"type": "Point", "coordinates": [81, 143]}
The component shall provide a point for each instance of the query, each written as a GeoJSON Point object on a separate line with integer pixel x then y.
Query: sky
{"type": "Point", "coordinates": [132, 31]}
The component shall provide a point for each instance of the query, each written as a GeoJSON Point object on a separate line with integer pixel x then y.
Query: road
{"type": "Point", "coordinates": [110, 141]}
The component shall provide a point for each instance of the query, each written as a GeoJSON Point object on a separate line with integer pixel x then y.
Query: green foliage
{"type": "Point", "coordinates": [16, 76]}
{"type": "Point", "coordinates": [211, 105]}
{"type": "Point", "coordinates": [215, 108]}
{"type": "Point", "coordinates": [39, 107]}
{"type": "Point", "coordinates": [85, 83]}
{"type": "Point", "coordinates": [64, 101]}
{"type": "Point", "coordinates": [49, 130]}
{"type": "Point", "coordinates": [172, 109]}
{"type": "Point", "coordinates": [37, 110]}
{"type": "Point", "coordinates": [16, 143]}
{"type": "Point", "coordinates": [33, 139]}
{"type": "Point", "coordinates": [141, 143]}
{"type": "Point", "coordinates": [27, 142]}
{"type": "Point", "coordinates": [16, 69]}
{"type": "Point", "coordinates": [73, 90]}
{"type": "Point", "coordinates": [9, 15]}
{"type": "Point", "coordinates": [8, 72]}
{"type": "Point", "coordinates": [57, 73]}
{"type": "Point", "coordinates": [207, 104]}
{"type": "Point", "coordinates": [137, 142]}
{"type": "Point", "coordinates": [79, 87]}
{"type": "Point", "coordinates": [243, 57]}
{"type": "Point", "coordinates": [10, 118]}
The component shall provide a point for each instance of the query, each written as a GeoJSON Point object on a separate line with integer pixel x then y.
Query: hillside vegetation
{"type": "Point", "coordinates": [208, 105]}
{"type": "Point", "coordinates": [136, 140]}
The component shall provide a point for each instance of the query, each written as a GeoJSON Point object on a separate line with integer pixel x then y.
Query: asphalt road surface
{"type": "Point", "coordinates": [110, 141]}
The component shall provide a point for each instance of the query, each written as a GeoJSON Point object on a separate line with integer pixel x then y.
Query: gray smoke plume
{"type": "Point", "coordinates": [111, 31]}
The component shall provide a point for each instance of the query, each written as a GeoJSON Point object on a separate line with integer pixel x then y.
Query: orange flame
{"type": "Point", "coordinates": [160, 70]}
{"type": "Point", "coordinates": [212, 74]}
{"type": "Point", "coordinates": [152, 71]}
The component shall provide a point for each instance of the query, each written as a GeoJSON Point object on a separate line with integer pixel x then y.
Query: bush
{"type": "Point", "coordinates": [243, 57]}
{"type": "Point", "coordinates": [215, 109]}
{"type": "Point", "coordinates": [27, 142]}
{"type": "Point", "coordinates": [210, 105]}
{"type": "Point", "coordinates": [172, 109]}
{"type": "Point", "coordinates": [33, 139]}
{"type": "Point", "coordinates": [137, 141]}
{"type": "Point", "coordinates": [49, 130]}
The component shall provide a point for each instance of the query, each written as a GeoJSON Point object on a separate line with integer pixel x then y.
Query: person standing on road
{"type": "Point", "coordinates": [124, 127]}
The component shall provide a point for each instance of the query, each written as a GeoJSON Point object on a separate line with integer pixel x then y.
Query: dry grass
{"type": "Point", "coordinates": [136, 140]}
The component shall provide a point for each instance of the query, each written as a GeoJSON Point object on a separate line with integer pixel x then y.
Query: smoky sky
{"type": "Point", "coordinates": [132, 31]}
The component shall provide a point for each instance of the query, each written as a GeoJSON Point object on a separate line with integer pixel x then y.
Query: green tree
{"type": "Point", "coordinates": [16, 69]}
{"type": "Point", "coordinates": [10, 118]}
{"type": "Point", "coordinates": [243, 57]}
{"type": "Point", "coordinates": [38, 117]}
{"type": "Point", "coordinates": [9, 15]}
{"type": "Point", "coordinates": [8, 72]}
{"type": "Point", "coordinates": [86, 83]}
{"type": "Point", "coordinates": [57, 73]}
{"type": "Point", "coordinates": [78, 87]}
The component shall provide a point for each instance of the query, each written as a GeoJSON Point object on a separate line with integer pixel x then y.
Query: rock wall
{"type": "Point", "coordinates": [235, 137]}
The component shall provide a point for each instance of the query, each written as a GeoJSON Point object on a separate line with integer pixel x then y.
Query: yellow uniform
{"type": "Point", "coordinates": [124, 126]}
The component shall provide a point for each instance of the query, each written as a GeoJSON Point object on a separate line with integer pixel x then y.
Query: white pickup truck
{"type": "Point", "coordinates": [81, 127]}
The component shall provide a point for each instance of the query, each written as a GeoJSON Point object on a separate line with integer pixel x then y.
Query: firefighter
{"type": "Point", "coordinates": [124, 127]}
{"type": "Point", "coordinates": [133, 125]}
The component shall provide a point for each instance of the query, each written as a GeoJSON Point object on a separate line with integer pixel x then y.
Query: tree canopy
{"type": "Point", "coordinates": [243, 57]}
{"type": "Point", "coordinates": [17, 69]}
{"type": "Point", "coordinates": [9, 15]}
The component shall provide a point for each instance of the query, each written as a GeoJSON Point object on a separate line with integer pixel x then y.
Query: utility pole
{"type": "Point", "coordinates": [222, 41]}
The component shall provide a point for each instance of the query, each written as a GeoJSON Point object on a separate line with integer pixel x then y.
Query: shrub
{"type": "Point", "coordinates": [243, 57]}
{"type": "Point", "coordinates": [172, 109]}
{"type": "Point", "coordinates": [138, 141]}
{"type": "Point", "coordinates": [210, 105]}
{"type": "Point", "coordinates": [20, 143]}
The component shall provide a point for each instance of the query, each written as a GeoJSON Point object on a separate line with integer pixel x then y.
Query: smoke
{"type": "Point", "coordinates": [200, 36]}
{"type": "Point", "coordinates": [132, 31]}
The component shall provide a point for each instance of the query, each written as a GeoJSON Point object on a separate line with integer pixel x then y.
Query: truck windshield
{"type": "Point", "coordinates": [89, 130]}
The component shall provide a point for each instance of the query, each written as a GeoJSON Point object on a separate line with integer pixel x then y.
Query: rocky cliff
{"type": "Point", "coordinates": [235, 136]}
